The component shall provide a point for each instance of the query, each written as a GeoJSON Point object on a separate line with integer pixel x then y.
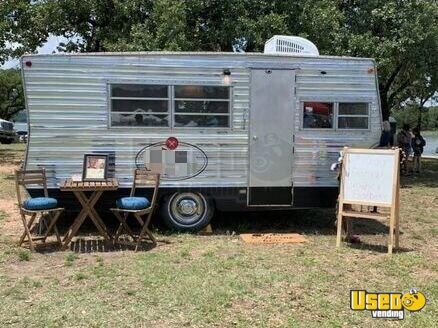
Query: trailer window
{"type": "Point", "coordinates": [317, 115]}
{"type": "Point", "coordinates": [201, 106]}
{"type": "Point", "coordinates": [353, 116]}
{"type": "Point", "coordinates": [139, 105]}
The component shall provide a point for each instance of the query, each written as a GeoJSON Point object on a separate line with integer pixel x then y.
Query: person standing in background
{"type": "Point", "coordinates": [387, 138]}
{"type": "Point", "coordinates": [404, 139]}
{"type": "Point", "coordinates": [418, 144]}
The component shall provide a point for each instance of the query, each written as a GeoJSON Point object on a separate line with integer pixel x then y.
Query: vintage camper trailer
{"type": "Point", "coordinates": [227, 131]}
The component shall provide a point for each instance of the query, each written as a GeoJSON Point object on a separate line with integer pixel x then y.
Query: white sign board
{"type": "Point", "coordinates": [369, 177]}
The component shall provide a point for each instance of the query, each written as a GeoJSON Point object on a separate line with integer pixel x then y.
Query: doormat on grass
{"type": "Point", "coordinates": [272, 238]}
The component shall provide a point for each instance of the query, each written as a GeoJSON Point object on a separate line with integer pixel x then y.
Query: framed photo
{"type": "Point", "coordinates": [95, 167]}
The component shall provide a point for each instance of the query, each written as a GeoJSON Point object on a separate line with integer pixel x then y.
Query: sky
{"type": "Point", "coordinates": [48, 48]}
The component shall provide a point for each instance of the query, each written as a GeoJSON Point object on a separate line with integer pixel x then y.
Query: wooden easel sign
{"type": "Point", "coordinates": [370, 177]}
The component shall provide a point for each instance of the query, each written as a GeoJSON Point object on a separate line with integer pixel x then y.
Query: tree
{"type": "Point", "coordinates": [18, 32]}
{"type": "Point", "coordinates": [88, 24]}
{"type": "Point", "coordinates": [420, 92]}
{"type": "Point", "coordinates": [165, 29]}
{"type": "Point", "coordinates": [11, 93]}
{"type": "Point", "coordinates": [402, 35]}
{"type": "Point", "coordinates": [410, 114]}
{"type": "Point", "coordinates": [91, 25]}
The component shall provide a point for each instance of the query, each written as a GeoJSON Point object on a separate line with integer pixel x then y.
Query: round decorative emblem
{"type": "Point", "coordinates": [172, 143]}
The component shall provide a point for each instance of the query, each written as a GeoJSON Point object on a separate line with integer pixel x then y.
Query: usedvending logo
{"type": "Point", "coordinates": [387, 305]}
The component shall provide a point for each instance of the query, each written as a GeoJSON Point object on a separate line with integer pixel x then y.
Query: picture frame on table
{"type": "Point", "coordinates": [95, 167]}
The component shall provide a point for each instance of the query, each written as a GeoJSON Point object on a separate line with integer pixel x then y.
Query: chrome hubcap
{"type": "Point", "coordinates": [187, 207]}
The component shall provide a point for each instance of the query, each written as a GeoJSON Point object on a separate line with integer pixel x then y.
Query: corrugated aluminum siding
{"type": "Point", "coordinates": [67, 100]}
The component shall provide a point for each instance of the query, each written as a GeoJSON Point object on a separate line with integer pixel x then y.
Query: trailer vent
{"type": "Point", "coordinates": [290, 45]}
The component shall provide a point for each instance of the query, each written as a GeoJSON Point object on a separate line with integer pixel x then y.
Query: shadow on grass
{"type": "Point", "coordinates": [318, 222]}
{"type": "Point", "coordinates": [94, 245]}
{"type": "Point", "coordinates": [89, 240]}
{"type": "Point", "coordinates": [48, 247]}
{"type": "Point", "coordinates": [427, 178]}
{"type": "Point", "coordinates": [377, 248]}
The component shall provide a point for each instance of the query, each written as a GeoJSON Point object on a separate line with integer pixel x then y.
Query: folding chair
{"type": "Point", "coordinates": [36, 206]}
{"type": "Point", "coordinates": [138, 207]}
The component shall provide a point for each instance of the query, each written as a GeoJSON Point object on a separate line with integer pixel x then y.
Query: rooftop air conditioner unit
{"type": "Point", "coordinates": [290, 45]}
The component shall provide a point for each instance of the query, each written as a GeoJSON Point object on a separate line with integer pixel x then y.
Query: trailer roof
{"type": "Point", "coordinates": [192, 53]}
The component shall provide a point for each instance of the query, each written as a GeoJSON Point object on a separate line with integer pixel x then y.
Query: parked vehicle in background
{"type": "Point", "coordinates": [7, 133]}
{"type": "Point", "coordinates": [20, 125]}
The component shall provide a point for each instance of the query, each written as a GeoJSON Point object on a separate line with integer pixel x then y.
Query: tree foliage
{"type": "Point", "coordinates": [427, 117]}
{"type": "Point", "coordinates": [11, 93]}
{"type": "Point", "coordinates": [402, 35]}
{"type": "Point", "coordinates": [18, 34]}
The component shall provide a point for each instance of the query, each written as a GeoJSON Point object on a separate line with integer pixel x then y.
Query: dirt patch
{"type": "Point", "coordinates": [8, 169]}
{"type": "Point", "coordinates": [11, 226]}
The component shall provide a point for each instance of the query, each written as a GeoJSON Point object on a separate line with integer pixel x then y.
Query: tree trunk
{"type": "Point", "coordinates": [384, 90]}
{"type": "Point", "coordinates": [384, 104]}
{"type": "Point", "coordinates": [421, 108]}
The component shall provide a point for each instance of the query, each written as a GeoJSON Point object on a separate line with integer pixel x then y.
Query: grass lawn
{"type": "Point", "coordinates": [204, 281]}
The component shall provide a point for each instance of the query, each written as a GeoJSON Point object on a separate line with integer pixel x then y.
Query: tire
{"type": "Point", "coordinates": [187, 211]}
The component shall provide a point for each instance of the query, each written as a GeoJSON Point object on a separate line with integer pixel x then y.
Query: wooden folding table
{"type": "Point", "coordinates": [79, 188]}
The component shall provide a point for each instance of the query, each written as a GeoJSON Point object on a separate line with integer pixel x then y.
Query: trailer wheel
{"type": "Point", "coordinates": [187, 211]}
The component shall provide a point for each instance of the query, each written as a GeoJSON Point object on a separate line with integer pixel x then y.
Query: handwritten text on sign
{"type": "Point", "coordinates": [369, 178]}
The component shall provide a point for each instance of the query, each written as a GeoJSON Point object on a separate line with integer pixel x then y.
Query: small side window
{"type": "Point", "coordinates": [317, 115]}
{"type": "Point", "coordinates": [139, 105]}
{"type": "Point", "coordinates": [353, 116]}
{"type": "Point", "coordinates": [202, 106]}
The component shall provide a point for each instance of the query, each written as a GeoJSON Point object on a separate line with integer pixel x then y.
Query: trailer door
{"type": "Point", "coordinates": [271, 137]}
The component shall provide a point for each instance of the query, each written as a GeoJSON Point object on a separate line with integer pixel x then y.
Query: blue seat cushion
{"type": "Point", "coordinates": [40, 203]}
{"type": "Point", "coordinates": [133, 203]}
